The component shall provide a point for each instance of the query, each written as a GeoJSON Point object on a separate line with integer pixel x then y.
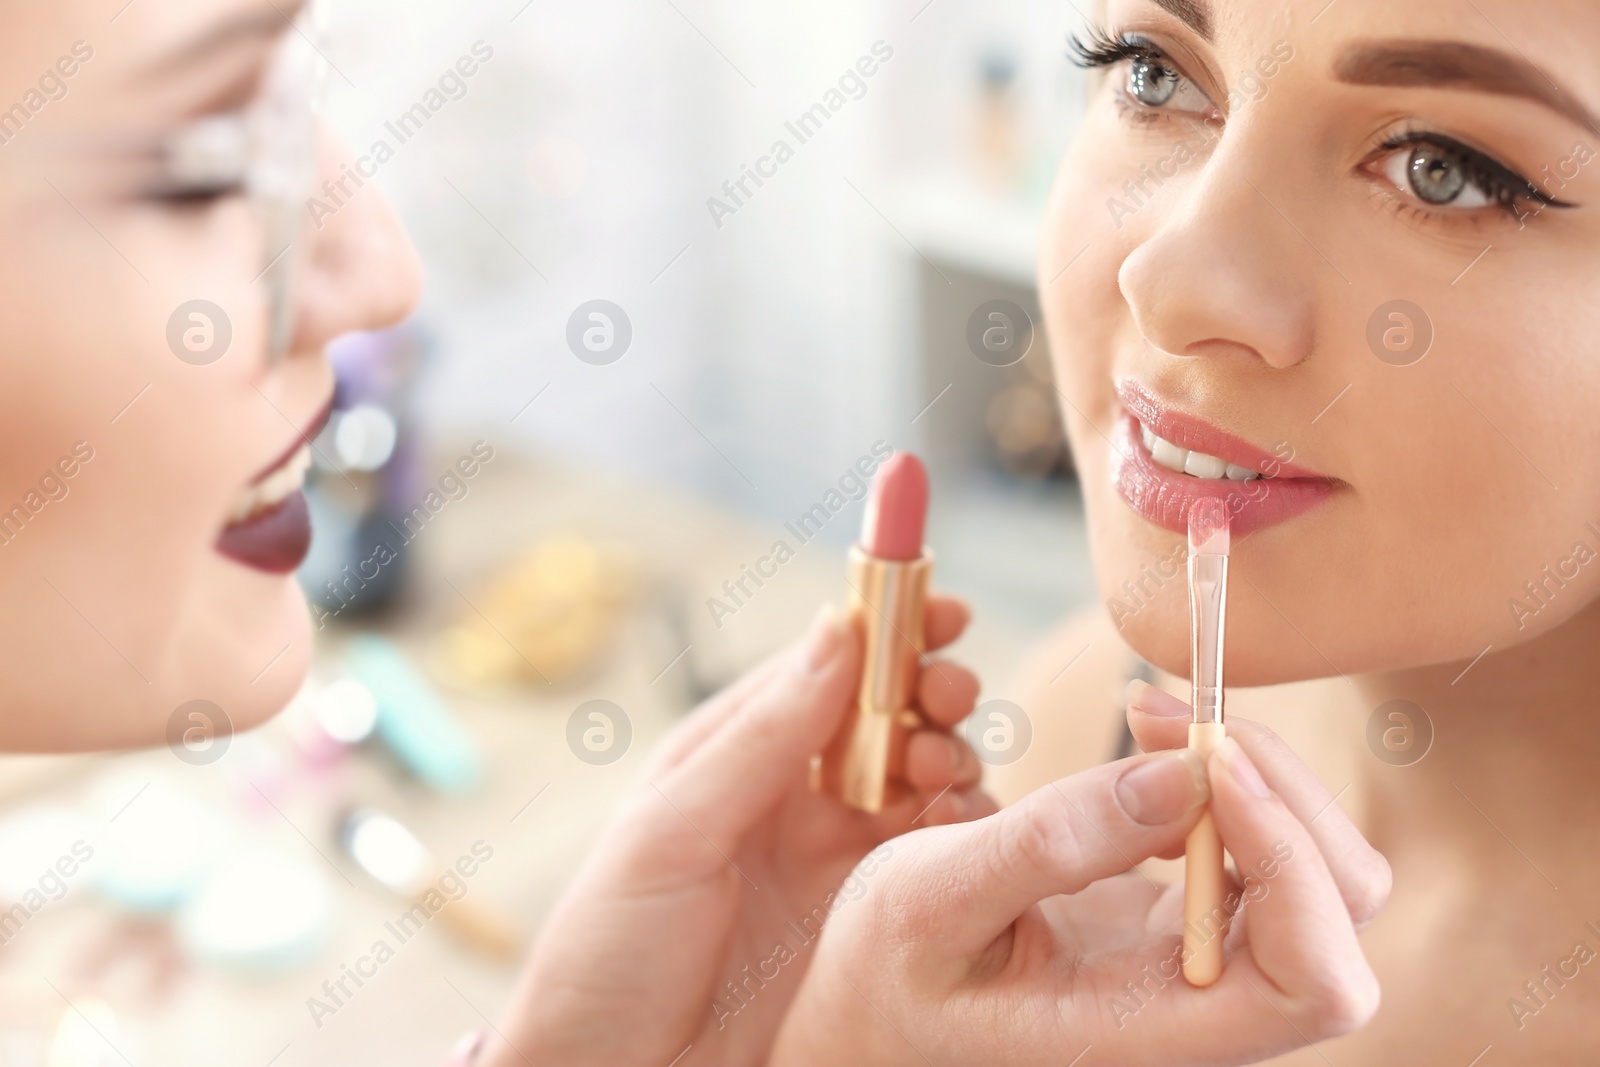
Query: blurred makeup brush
{"type": "Point", "coordinates": [392, 855]}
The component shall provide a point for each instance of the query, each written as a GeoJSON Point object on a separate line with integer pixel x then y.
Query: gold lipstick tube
{"type": "Point", "coordinates": [864, 764]}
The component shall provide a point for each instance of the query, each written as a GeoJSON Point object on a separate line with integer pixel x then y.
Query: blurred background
{"type": "Point", "coordinates": [689, 262]}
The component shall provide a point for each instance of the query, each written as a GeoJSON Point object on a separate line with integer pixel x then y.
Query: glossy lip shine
{"type": "Point", "coordinates": [1165, 497]}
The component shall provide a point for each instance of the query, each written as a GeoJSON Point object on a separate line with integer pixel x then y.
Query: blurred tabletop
{"type": "Point", "coordinates": [96, 983]}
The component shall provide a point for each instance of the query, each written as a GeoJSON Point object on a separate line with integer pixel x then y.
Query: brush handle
{"type": "Point", "coordinates": [1204, 914]}
{"type": "Point", "coordinates": [484, 928]}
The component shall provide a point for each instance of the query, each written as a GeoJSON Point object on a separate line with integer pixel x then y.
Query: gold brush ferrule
{"type": "Point", "coordinates": [864, 764]}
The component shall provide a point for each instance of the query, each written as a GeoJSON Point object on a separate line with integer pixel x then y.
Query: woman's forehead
{"type": "Point", "coordinates": [141, 38]}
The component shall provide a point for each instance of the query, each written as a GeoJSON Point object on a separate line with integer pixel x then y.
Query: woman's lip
{"type": "Point", "coordinates": [1164, 497]}
{"type": "Point", "coordinates": [275, 541]}
{"type": "Point", "coordinates": [1197, 435]}
{"type": "Point", "coordinates": [306, 436]}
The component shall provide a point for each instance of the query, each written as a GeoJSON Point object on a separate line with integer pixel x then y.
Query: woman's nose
{"type": "Point", "coordinates": [360, 271]}
{"type": "Point", "coordinates": [1224, 271]}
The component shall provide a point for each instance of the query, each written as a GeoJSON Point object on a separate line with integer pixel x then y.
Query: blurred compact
{"type": "Point", "coordinates": [262, 911]}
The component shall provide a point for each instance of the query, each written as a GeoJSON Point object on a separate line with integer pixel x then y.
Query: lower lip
{"type": "Point", "coordinates": [1164, 496]}
{"type": "Point", "coordinates": [275, 541]}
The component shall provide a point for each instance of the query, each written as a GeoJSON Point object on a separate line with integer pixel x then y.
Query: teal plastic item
{"type": "Point", "coordinates": [412, 720]}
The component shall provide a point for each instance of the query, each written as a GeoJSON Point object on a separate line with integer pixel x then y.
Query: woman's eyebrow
{"type": "Point", "coordinates": [269, 21]}
{"type": "Point", "coordinates": [1457, 64]}
{"type": "Point", "coordinates": [1192, 13]}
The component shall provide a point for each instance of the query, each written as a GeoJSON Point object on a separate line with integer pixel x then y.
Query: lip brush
{"type": "Point", "coordinates": [1203, 910]}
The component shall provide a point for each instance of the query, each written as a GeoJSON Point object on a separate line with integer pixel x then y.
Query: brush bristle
{"type": "Point", "coordinates": [1208, 528]}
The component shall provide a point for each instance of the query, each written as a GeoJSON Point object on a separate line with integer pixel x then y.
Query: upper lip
{"type": "Point", "coordinates": [305, 437]}
{"type": "Point", "coordinates": [1197, 435]}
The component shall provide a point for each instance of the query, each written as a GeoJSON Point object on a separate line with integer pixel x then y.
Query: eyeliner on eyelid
{"type": "Point", "coordinates": [1510, 184]}
{"type": "Point", "coordinates": [1504, 187]}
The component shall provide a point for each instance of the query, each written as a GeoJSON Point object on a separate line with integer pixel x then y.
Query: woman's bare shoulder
{"type": "Point", "coordinates": [1071, 690]}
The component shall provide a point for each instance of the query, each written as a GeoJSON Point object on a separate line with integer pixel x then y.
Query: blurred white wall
{"type": "Point", "coordinates": [768, 353]}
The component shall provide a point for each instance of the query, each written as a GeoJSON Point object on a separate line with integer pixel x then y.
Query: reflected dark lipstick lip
{"type": "Point", "coordinates": [276, 540]}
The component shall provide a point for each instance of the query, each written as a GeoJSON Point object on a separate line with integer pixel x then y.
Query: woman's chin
{"type": "Point", "coordinates": [248, 655]}
{"type": "Point", "coordinates": [1159, 634]}
{"type": "Point", "coordinates": [1161, 639]}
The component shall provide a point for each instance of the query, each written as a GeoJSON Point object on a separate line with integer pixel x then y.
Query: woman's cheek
{"type": "Point", "coordinates": [1080, 302]}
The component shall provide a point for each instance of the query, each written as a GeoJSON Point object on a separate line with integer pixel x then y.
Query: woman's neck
{"type": "Point", "coordinates": [1513, 761]}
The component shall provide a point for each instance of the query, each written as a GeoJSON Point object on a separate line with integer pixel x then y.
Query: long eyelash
{"type": "Point", "coordinates": [1500, 183]}
{"type": "Point", "coordinates": [1100, 49]}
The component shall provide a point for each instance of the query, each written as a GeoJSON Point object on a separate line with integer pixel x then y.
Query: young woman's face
{"type": "Point", "coordinates": [1353, 245]}
{"type": "Point", "coordinates": [148, 527]}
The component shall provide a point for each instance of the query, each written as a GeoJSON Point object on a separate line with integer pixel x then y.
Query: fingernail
{"type": "Point", "coordinates": [963, 760]}
{"type": "Point", "coordinates": [1164, 787]}
{"type": "Point", "coordinates": [1152, 701]}
{"type": "Point", "coordinates": [822, 641]}
{"type": "Point", "coordinates": [966, 759]}
{"type": "Point", "coordinates": [1244, 772]}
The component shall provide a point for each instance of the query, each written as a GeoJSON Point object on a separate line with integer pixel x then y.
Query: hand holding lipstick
{"type": "Point", "coordinates": [670, 935]}
{"type": "Point", "coordinates": [1023, 938]}
{"type": "Point", "coordinates": [864, 763]}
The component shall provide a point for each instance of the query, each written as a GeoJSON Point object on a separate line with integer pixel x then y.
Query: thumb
{"type": "Point", "coordinates": [732, 779]}
{"type": "Point", "coordinates": [1060, 839]}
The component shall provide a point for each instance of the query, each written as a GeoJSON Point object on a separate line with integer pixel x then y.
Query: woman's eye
{"type": "Point", "coordinates": [207, 160]}
{"type": "Point", "coordinates": [1153, 84]}
{"type": "Point", "coordinates": [1436, 176]}
{"type": "Point", "coordinates": [193, 195]}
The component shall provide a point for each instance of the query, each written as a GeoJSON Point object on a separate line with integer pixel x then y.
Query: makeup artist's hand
{"type": "Point", "coordinates": [698, 881]}
{"type": "Point", "coordinates": [1023, 938]}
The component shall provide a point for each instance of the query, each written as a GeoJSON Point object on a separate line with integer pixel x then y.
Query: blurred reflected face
{"type": "Point", "coordinates": [1336, 265]}
{"type": "Point", "coordinates": [149, 519]}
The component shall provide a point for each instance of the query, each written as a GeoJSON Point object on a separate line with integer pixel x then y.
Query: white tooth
{"type": "Point", "coordinates": [1203, 466]}
{"type": "Point", "coordinates": [1148, 437]}
{"type": "Point", "coordinates": [243, 505]}
{"type": "Point", "coordinates": [274, 488]}
{"type": "Point", "coordinates": [1168, 454]}
{"type": "Point", "coordinates": [1240, 474]}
